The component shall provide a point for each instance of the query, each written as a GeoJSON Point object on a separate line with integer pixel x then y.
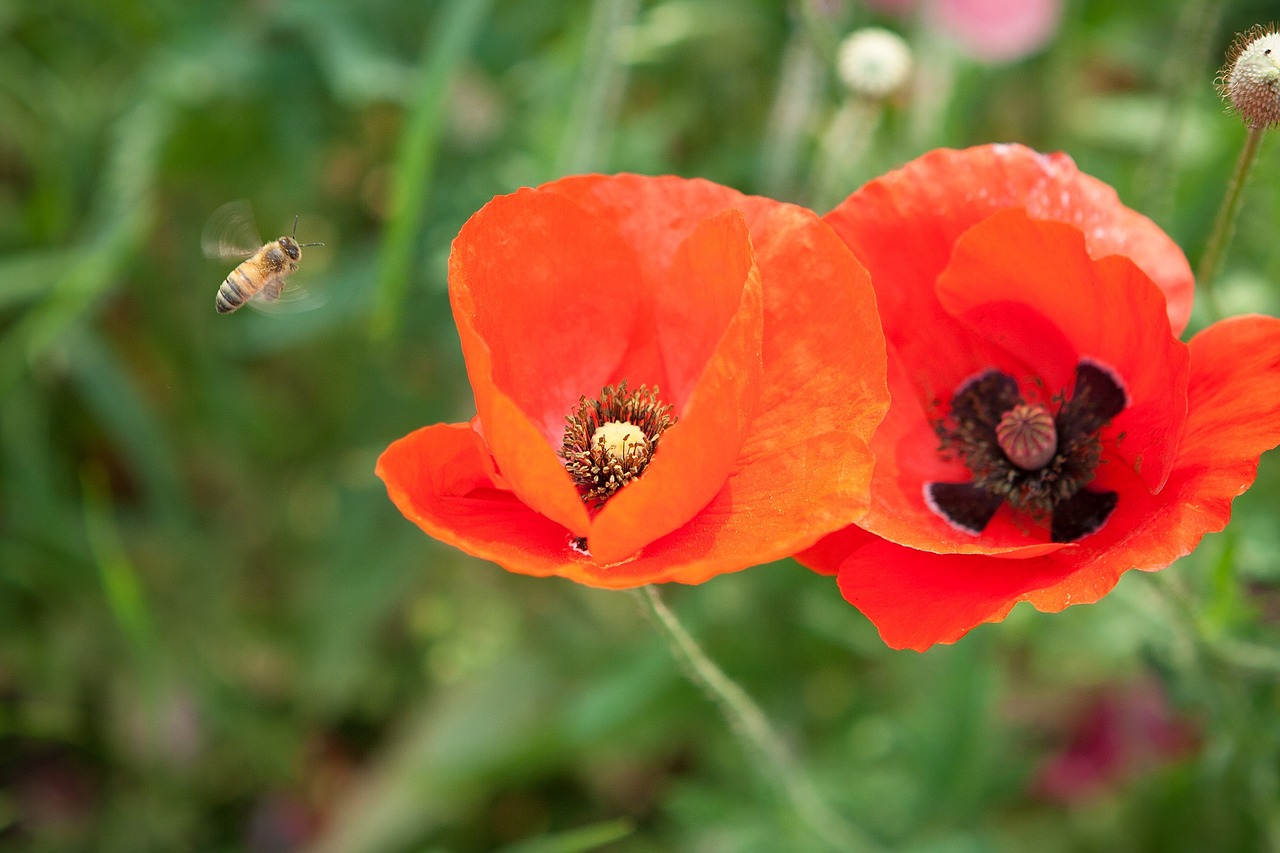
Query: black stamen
{"type": "Point", "coordinates": [1097, 398]}
{"type": "Point", "coordinates": [1053, 491]}
{"type": "Point", "coordinates": [965, 505]}
{"type": "Point", "coordinates": [1081, 514]}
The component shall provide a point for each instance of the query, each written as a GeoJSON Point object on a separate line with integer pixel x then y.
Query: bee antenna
{"type": "Point", "coordinates": [305, 245]}
{"type": "Point", "coordinates": [295, 225]}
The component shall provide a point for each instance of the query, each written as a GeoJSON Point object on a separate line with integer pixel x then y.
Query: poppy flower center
{"type": "Point", "coordinates": [609, 440]}
{"type": "Point", "coordinates": [1028, 436]}
{"type": "Point", "coordinates": [1023, 453]}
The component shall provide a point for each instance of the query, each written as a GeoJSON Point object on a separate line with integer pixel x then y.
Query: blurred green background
{"type": "Point", "coordinates": [216, 633]}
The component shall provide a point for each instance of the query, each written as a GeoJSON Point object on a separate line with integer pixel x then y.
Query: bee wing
{"type": "Point", "coordinates": [231, 232]}
{"type": "Point", "coordinates": [276, 298]}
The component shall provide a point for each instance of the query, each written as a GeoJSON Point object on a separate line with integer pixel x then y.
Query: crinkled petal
{"type": "Point", "coordinates": [806, 466]}
{"type": "Point", "coordinates": [903, 225]}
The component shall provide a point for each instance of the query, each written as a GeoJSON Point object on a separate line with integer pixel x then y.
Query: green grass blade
{"type": "Point", "coordinates": [445, 50]}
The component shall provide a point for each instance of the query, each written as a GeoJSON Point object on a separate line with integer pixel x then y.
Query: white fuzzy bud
{"type": "Point", "coordinates": [873, 62]}
{"type": "Point", "coordinates": [1250, 80]}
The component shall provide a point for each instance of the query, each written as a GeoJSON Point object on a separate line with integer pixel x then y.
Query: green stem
{"type": "Point", "coordinates": [1224, 225]}
{"type": "Point", "coordinates": [843, 145]}
{"type": "Point", "coordinates": [748, 722]}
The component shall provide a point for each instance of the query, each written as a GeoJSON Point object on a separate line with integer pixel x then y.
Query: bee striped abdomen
{"type": "Point", "coordinates": [237, 289]}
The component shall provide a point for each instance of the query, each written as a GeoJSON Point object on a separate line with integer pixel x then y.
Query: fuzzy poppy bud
{"type": "Point", "coordinates": [1250, 79]}
{"type": "Point", "coordinates": [873, 62]}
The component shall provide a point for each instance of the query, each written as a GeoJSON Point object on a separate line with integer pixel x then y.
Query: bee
{"type": "Point", "coordinates": [261, 277]}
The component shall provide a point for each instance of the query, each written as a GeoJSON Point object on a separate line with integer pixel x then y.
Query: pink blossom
{"type": "Point", "coordinates": [995, 30]}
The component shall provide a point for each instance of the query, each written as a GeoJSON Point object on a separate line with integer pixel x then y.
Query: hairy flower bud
{"type": "Point", "coordinates": [873, 62]}
{"type": "Point", "coordinates": [1250, 80]}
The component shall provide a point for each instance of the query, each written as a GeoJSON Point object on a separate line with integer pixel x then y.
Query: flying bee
{"type": "Point", "coordinates": [261, 277]}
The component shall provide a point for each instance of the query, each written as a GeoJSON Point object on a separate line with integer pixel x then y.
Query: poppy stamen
{"type": "Point", "coordinates": [1038, 461]}
{"type": "Point", "coordinates": [609, 440]}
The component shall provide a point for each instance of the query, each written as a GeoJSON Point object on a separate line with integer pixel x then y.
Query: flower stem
{"type": "Point", "coordinates": [1224, 225]}
{"type": "Point", "coordinates": [748, 722]}
{"type": "Point", "coordinates": [846, 140]}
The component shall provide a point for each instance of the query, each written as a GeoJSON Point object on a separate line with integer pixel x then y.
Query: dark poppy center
{"type": "Point", "coordinates": [609, 440]}
{"type": "Point", "coordinates": [1039, 461]}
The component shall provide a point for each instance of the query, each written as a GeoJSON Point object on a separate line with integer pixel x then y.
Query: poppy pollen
{"type": "Point", "coordinates": [609, 440]}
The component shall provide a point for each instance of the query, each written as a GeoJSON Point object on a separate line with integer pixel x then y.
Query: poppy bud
{"type": "Point", "coordinates": [873, 62]}
{"type": "Point", "coordinates": [1250, 79]}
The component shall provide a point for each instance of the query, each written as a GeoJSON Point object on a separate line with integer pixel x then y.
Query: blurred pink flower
{"type": "Point", "coordinates": [1125, 731]}
{"type": "Point", "coordinates": [995, 30]}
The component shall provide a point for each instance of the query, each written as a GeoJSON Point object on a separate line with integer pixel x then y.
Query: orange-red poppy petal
{"type": "Point", "coordinates": [436, 477]}
{"type": "Point", "coordinates": [824, 388]}
{"type": "Point", "coordinates": [917, 598]}
{"type": "Point", "coordinates": [824, 348]}
{"type": "Point", "coordinates": [1234, 399]}
{"type": "Point", "coordinates": [709, 313]}
{"type": "Point", "coordinates": [902, 225]}
{"type": "Point", "coordinates": [654, 212]}
{"type": "Point", "coordinates": [533, 278]}
{"type": "Point", "coordinates": [1031, 287]}
{"type": "Point", "coordinates": [521, 454]}
{"type": "Point", "coordinates": [553, 292]}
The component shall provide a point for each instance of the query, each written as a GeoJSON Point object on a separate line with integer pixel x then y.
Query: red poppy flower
{"type": "Point", "coordinates": [1048, 431]}
{"type": "Point", "coordinates": [717, 357]}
